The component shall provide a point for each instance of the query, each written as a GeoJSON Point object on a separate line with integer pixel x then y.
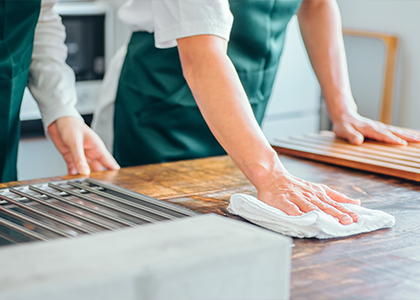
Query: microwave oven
{"type": "Point", "coordinates": [89, 39]}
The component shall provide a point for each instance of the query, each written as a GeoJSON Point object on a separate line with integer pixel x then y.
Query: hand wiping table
{"type": "Point", "coordinates": [315, 223]}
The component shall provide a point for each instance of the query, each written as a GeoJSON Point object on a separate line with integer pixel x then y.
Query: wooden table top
{"type": "Point", "coordinates": [384, 264]}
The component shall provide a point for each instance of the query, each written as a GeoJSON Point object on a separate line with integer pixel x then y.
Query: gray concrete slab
{"type": "Point", "coordinates": [204, 257]}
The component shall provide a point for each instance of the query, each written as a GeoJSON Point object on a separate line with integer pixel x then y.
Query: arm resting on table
{"type": "Point", "coordinates": [217, 89]}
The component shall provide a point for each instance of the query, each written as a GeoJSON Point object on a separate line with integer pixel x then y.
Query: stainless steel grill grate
{"type": "Point", "coordinates": [76, 207]}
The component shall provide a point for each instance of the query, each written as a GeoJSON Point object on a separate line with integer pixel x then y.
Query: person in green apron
{"type": "Point", "coordinates": [21, 64]}
{"type": "Point", "coordinates": [205, 97]}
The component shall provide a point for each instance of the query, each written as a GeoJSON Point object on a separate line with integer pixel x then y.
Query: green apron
{"type": "Point", "coordinates": [156, 117]}
{"type": "Point", "coordinates": [18, 20]}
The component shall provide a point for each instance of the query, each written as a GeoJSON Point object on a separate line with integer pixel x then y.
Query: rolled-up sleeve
{"type": "Point", "coordinates": [175, 19]}
{"type": "Point", "coordinates": [51, 81]}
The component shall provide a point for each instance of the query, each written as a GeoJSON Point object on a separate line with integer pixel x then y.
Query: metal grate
{"type": "Point", "coordinates": [76, 207]}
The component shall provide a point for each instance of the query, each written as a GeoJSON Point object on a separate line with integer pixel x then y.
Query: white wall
{"type": "Point", "coordinates": [38, 158]}
{"type": "Point", "coordinates": [366, 64]}
{"type": "Point", "coordinates": [399, 17]}
{"type": "Point", "coordinates": [120, 32]}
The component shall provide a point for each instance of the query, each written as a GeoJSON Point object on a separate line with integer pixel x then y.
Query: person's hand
{"type": "Point", "coordinates": [295, 196]}
{"type": "Point", "coordinates": [356, 128]}
{"type": "Point", "coordinates": [80, 146]}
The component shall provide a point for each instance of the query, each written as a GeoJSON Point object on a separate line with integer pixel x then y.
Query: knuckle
{"type": "Point", "coordinates": [326, 200]}
{"type": "Point", "coordinates": [312, 207]}
{"type": "Point", "coordinates": [307, 195]}
{"type": "Point", "coordinates": [343, 216]}
{"type": "Point", "coordinates": [289, 205]}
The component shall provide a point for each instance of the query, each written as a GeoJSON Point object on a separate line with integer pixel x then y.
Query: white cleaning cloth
{"type": "Point", "coordinates": [312, 224]}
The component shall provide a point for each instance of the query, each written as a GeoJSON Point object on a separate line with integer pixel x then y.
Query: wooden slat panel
{"type": "Point", "coordinates": [403, 150]}
{"type": "Point", "coordinates": [410, 150]}
{"type": "Point", "coordinates": [362, 152]}
{"type": "Point", "coordinates": [399, 161]}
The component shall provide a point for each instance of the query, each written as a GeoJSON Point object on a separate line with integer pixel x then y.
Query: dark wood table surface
{"type": "Point", "coordinates": [384, 264]}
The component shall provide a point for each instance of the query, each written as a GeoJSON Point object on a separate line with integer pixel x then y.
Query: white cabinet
{"type": "Point", "coordinates": [295, 100]}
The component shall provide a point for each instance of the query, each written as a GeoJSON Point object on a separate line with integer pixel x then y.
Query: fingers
{"type": "Point", "coordinates": [356, 128]}
{"type": "Point", "coordinates": [318, 197]}
{"type": "Point", "coordinates": [78, 153]}
{"type": "Point", "coordinates": [71, 169]}
{"type": "Point", "coordinates": [324, 203]}
{"type": "Point", "coordinates": [341, 211]}
{"type": "Point", "coordinates": [375, 133]}
{"type": "Point", "coordinates": [284, 205]}
{"type": "Point", "coordinates": [408, 136]}
{"type": "Point", "coordinates": [104, 163]}
{"type": "Point", "coordinates": [107, 160]}
{"type": "Point", "coordinates": [295, 196]}
{"type": "Point", "coordinates": [79, 144]}
{"type": "Point", "coordinates": [67, 135]}
{"type": "Point", "coordinates": [341, 198]}
{"type": "Point", "coordinates": [385, 136]}
{"type": "Point", "coordinates": [296, 204]}
{"type": "Point", "coordinates": [334, 198]}
{"type": "Point", "coordinates": [356, 137]}
{"type": "Point", "coordinates": [352, 135]}
{"type": "Point", "coordinates": [96, 166]}
{"type": "Point", "coordinates": [99, 157]}
{"type": "Point", "coordinates": [343, 215]}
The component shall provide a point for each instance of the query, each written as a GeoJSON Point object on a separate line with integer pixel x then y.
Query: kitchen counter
{"type": "Point", "coordinates": [384, 264]}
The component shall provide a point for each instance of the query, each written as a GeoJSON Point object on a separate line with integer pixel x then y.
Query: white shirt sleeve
{"type": "Point", "coordinates": [51, 81]}
{"type": "Point", "coordinates": [182, 18]}
{"type": "Point", "coordinates": [174, 19]}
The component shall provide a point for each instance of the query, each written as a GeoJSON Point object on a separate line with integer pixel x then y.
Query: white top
{"type": "Point", "coordinates": [169, 20]}
{"type": "Point", "coordinates": [173, 19]}
{"type": "Point", "coordinates": [51, 81]}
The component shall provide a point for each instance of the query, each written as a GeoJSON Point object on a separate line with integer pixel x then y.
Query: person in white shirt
{"type": "Point", "coordinates": [33, 54]}
{"type": "Point", "coordinates": [207, 96]}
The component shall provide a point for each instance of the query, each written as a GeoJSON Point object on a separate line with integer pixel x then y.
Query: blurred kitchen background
{"type": "Point", "coordinates": [94, 33]}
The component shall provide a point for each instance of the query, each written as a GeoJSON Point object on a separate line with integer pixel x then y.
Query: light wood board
{"type": "Point", "coordinates": [398, 161]}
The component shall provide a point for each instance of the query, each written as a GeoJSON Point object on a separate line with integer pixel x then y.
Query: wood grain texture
{"type": "Point", "coordinates": [384, 264]}
{"type": "Point", "coordinates": [399, 161]}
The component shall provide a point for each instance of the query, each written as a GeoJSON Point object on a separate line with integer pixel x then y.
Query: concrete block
{"type": "Point", "coordinates": [203, 257]}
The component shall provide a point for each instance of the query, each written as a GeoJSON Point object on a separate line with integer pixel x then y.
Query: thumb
{"type": "Point", "coordinates": [353, 136]}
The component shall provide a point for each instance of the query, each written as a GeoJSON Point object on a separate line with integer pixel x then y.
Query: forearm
{"type": "Point", "coordinates": [219, 94]}
{"type": "Point", "coordinates": [320, 25]}
{"type": "Point", "coordinates": [222, 101]}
